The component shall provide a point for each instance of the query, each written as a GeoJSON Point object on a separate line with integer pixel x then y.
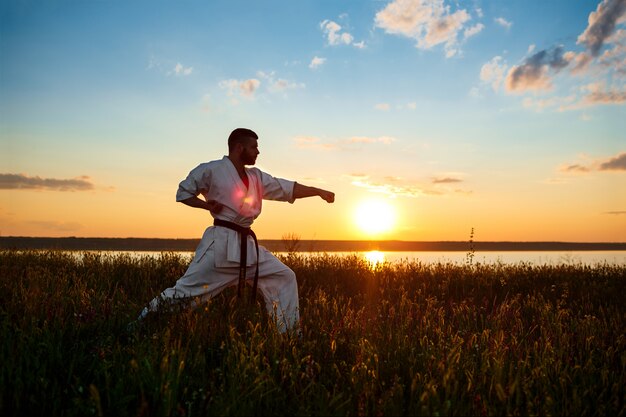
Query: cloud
{"type": "Point", "coordinates": [615, 213]}
{"type": "Point", "coordinates": [248, 87]}
{"type": "Point", "coordinates": [575, 168]}
{"type": "Point", "coordinates": [593, 94]}
{"type": "Point", "coordinates": [317, 62]}
{"type": "Point", "coordinates": [335, 36]}
{"type": "Point", "coordinates": [278, 85]}
{"type": "Point", "coordinates": [602, 23]}
{"type": "Point", "coordinates": [579, 61]}
{"type": "Point", "coordinates": [474, 30]}
{"type": "Point", "coordinates": [179, 69]}
{"type": "Point", "coordinates": [615, 57]}
{"type": "Point", "coordinates": [428, 22]}
{"type": "Point", "coordinates": [560, 103]}
{"type": "Point", "coordinates": [603, 60]}
{"type": "Point", "coordinates": [503, 22]}
{"type": "Point", "coordinates": [446, 180]}
{"type": "Point", "coordinates": [382, 106]}
{"type": "Point", "coordinates": [493, 72]}
{"type": "Point", "coordinates": [245, 88]}
{"type": "Point", "coordinates": [24, 182]}
{"type": "Point", "coordinates": [536, 71]}
{"type": "Point", "coordinates": [615, 163]}
{"type": "Point", "coordinates": [597, 93]}
{"type": "Point", "coordinates": [393, 186]}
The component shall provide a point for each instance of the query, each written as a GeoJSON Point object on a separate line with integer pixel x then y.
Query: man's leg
{"type": "Point", "coordinates": [279, 287]}
{"type": "Point", "coordinates": [201, 282]}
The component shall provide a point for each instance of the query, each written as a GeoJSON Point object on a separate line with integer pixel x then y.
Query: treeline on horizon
{"type": "Point", "coordinates": [294, 244]}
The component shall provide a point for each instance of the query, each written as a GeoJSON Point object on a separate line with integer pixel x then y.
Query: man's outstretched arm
{"type": "Point", "coordinates": [303, 191]}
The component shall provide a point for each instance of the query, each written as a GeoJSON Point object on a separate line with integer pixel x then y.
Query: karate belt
{"type": "Point", "coordinates": [244, 232]}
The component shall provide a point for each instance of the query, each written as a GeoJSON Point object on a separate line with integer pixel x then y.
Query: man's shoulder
{"type": "Point", "coordinates": [210, 164]}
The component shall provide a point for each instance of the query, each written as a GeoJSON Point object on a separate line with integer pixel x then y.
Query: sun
{"type": "Point", "coordinates": [375, 217]}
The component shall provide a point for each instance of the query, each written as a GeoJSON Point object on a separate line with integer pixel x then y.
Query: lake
{"type": "Point", "coordinates": [615, 257]}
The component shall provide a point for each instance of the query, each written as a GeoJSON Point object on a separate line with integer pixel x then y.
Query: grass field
{"type": "Point", "coordinates": [401, 339]}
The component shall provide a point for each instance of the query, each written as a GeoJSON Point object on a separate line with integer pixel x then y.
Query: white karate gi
{"type": "Point", "coordinates": [216, 262]}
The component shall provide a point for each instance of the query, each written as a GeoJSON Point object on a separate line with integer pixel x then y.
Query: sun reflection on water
{"type": "Point", "coordinates": [374, 257]}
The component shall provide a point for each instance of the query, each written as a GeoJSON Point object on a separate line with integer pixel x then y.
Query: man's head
{"type": "Point", "coordinates": [243, 145]}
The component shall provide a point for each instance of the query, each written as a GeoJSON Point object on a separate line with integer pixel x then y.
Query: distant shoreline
{"type": "Point", "coordinates": [279, 245]}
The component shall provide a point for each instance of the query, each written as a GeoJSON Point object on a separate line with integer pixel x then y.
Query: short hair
{"type": "Point", "coordinates": [240, 135]}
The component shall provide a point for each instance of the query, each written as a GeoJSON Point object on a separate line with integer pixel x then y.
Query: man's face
{"type": "Point", "coordinates": [250, 150]}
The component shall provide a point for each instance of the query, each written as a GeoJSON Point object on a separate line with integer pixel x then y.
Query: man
{"type": "Point", "coordinates": [228, 253]}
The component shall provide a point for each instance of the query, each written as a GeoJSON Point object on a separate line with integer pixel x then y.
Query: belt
{"type": "Point", "coordinates": [244, 232]}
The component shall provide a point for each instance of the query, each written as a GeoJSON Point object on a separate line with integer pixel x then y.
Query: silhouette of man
{"type": "Point", "coordinates": [228, 253]}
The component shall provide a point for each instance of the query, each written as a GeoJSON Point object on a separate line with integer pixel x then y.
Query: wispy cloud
{"type": "Point", "coordinates": [446, 180]}
{"type": "Point", "coordinates": [242, 88]}
{"type": "Point", "coordinates": [168, 67]}
{"type": "Point", "coordinates": [494, 72]}
{"type": "Point", "coordinates": [335, 35]}
{"type": "Point", "coordinates": [251, 87]}
{"type": "Point", "coordinates": [614, 163]}
{"type": "Point", "coordinates": [317, 62]}
{"type": "Point", "coordinates": [592, 94]}
{"type": "Point", "coordinates": [382, 106]}
{"type": "Point", "coordinates": [428, 22]}
{"type": "Point", "coordinates": [616, 213]}
{"type": "Point", "coordinates": [474, 30]}
{"type": "Point", "coordinates": [503, 22]}
{"type": "Point", "coordinates": [575, 168]}
{"type": "Point", "coordinates": [180, 70]}
{"type": "Point", "coordinates": [25, 182]}
{"type": "Point", "coordinates": [598, 93]}
{"type": "Point", "coordinates": [393, 186]}
{"type": "Point", "coordinates": [277, 85]}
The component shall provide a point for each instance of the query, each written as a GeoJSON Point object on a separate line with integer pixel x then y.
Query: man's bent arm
{"type": "Point", "coordinates": [303, 191]}
{"type": "Point", "coordinates": [213, 206]}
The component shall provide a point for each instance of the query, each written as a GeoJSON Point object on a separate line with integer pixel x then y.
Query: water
{"type": "Point", "coordinates": [487, 257]}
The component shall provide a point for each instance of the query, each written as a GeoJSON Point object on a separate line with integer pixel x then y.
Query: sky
{"type": "Point", "coordinates": [427, 118]}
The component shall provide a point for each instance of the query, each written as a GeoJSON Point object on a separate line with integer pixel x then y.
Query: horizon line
{"type": "Point", "coordinates": [291, 245]}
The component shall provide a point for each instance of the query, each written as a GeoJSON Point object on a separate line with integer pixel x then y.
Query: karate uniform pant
{"type": "Point", "coordinates": [203, 280]}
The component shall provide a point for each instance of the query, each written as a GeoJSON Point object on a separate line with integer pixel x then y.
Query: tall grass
{"type": "Point", "coordinates": [398, 339]}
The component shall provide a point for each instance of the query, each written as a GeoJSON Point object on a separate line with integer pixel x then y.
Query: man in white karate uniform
{"type": "Point", "coordinates": [228, 253]}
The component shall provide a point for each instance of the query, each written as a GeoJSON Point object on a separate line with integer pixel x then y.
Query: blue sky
{"type": "Point", "coordinates": [506, 116]}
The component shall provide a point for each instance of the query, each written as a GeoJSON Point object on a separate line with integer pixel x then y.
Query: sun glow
{"type": "Point", "coordinates": [375, 217]}
{"type": "Point", "coordinates": [374, 257]}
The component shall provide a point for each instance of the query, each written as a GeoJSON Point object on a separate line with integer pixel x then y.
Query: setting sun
{"type": "Point", "coordinates": [375, 217]}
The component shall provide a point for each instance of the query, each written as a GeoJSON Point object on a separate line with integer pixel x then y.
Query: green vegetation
{"type": "Point", "coordinates": [400, 339]}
